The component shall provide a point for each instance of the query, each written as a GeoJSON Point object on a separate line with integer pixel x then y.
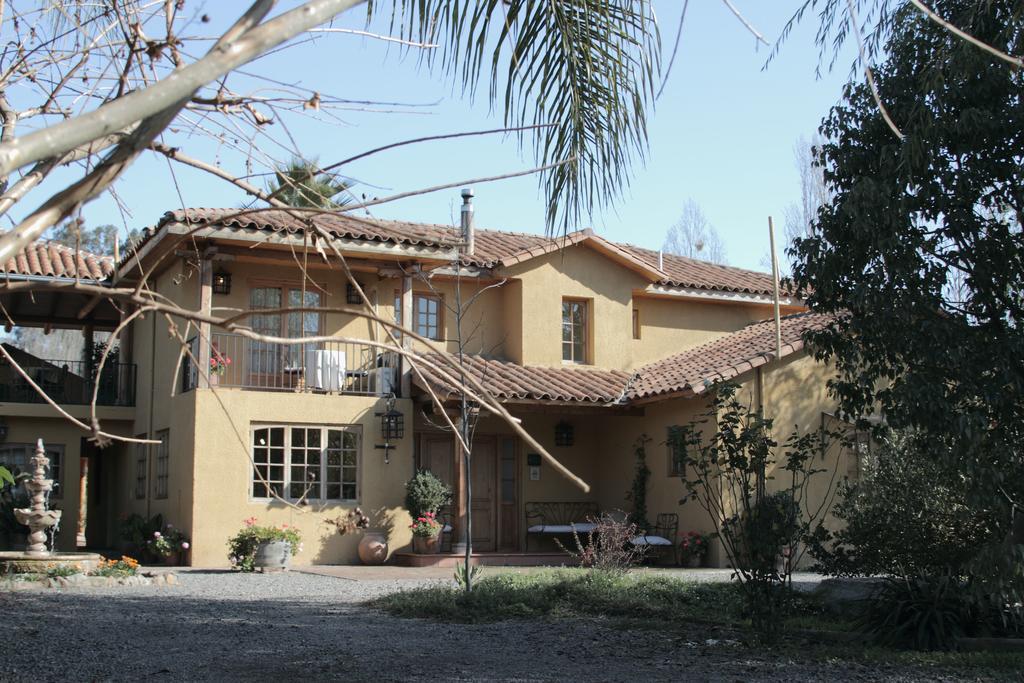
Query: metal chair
{"type": "Point", "coordinates": [661, 535]}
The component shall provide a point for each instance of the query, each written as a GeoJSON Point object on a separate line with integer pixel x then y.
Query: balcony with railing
{"type": "Point", "coordinates": [67, 382]}
{"type": "Point", "coordinates": [236, 361]}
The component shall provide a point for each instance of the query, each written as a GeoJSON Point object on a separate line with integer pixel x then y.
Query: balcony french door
{"type": "Point", "coordinates": [280, 364]}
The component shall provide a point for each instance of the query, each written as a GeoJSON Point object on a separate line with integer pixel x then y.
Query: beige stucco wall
{"type": "Point", "coordinates": [669, 326]}
{"type": "Point", "coordinates": [223, 472]}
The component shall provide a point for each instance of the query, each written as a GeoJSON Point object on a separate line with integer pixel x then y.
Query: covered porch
{"type": "Point", "coordinates": [523, 511]}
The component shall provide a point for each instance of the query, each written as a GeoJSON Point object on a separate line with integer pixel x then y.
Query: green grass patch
{"type": "Point", "coordinates": [657, 601]}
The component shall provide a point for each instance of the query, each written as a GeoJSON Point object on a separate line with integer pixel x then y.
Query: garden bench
{"type": "Point", "coordinates": [551, 519]}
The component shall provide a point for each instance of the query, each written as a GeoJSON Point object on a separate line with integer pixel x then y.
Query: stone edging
{"type": "Point", "coordinates": [84, 581]}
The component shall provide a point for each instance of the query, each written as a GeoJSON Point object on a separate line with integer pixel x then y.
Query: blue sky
{"type": "Point", "coordinates": [722, 134]}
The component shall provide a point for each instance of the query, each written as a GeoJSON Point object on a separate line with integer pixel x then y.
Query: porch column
{"type": "Point", "coordinates": [406, 383]}
{"type": "Point", "coordinates": [205, 307]}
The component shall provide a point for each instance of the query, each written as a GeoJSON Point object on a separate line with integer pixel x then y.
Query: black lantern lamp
{"type": "Point", "coordinates": [222, 282]}
{"type": "Point", "coordinates": [564, 434]}
{"type": "Point", "coordinates": [3, 430]}
{"type": "Point", "coordinates": [392, 426]}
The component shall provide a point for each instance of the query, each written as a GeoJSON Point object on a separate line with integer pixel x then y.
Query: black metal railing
{"type": "Point", "coordinates": [68, 382]}
{"type": "Point", "coordinates": [323, 367]}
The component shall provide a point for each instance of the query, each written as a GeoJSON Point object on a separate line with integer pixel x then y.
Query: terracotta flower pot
{"type": "Point", "coordinates": [694, 561]}
{"type": "Point", "coordinates": [172, 560]}
{"type": "Point", "coordinates": [425, 545]}
{"type": "Point", "coordinates": [373, 548]}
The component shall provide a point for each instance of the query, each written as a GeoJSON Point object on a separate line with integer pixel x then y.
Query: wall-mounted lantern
{"type": "Point", "coordinates": [352, 294]}
{"type": "Point", "coordinates": [392, 426]}
{"type": "Point", "coordinates": [3, 430]}
{"type": "Point", "coordinates": [222, 282]}
{"type": "Point", "coordinates": [564, 434]}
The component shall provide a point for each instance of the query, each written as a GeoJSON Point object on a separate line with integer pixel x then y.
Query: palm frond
{"type": "Point", "coordinates": [586, 68]}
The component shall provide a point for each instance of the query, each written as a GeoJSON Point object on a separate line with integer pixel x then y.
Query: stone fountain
{"type": "Point", "coordinates": [39, 520]}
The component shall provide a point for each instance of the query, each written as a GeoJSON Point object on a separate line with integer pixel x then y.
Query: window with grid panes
{"type": "Point", "coordinates": [305, 462]}
{"type": "Point", "coordinates": [427, 315]}
{"type": "Point", "coordinates": [574, 331]}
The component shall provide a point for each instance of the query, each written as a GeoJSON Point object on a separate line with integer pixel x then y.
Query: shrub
{"type": "Point", "coordinates": [62, 569]}
{"type": "Point", "coordinates": [907, 516]}
{"type": "Point", "coordinates": [424, 492]}
{"type": "Point", "coordinates": [243, 545]}
{"type": "Point", "coordinates": [126, 566]}
{"type": "Point", "coordinates": [136, 530]}
{"type": "Point", "coordinates": [922, 614]}
{"type": "Point", "coordinates": [608, 547]}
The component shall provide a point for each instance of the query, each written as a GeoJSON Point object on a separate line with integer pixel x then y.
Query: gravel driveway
{"type": "Point", "coordinates": [217, 625]}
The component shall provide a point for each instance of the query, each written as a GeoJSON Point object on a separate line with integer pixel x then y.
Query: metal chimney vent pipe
{"type": "Point", "coordinates": [661, 259]}
{"type": "Point", "coordinates": [468, 230]}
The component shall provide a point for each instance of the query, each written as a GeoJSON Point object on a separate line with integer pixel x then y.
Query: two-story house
{"type": "Point", "coordinates": [589, 344]}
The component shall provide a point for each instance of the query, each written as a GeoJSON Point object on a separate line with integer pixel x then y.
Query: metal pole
{"type": "Point", "coordinates": [775, 288]}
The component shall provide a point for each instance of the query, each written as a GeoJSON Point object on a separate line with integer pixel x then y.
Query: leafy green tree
{"type": "Point", "coordinates": [909, 215]}
{"type": "Point", "coordinates": [303, 184]}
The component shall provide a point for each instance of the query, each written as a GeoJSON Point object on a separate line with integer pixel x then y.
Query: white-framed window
{"type": "Point", "coordinates": [163, 462]}
{"type": "Point", "coordinates": [141, 468]}
{"type": "Point", "coordinates": [16, 457]}
{"type": "Point", "coordinates": [575, 322]}
{"type": "Point", "coordinates": [305, 462]}
{"type": "Point", "coordinates": [427, 315]}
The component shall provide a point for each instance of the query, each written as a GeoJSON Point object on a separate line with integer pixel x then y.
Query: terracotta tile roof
{"type": "Point", "coordinates": [56, 260]}
{"type": "Point", "coordinates": [493, 247]}
{"type": "Point", "coordinates": [694, 370]}
{"type": "Point", "coordinates": [688, 272]}
{"type": "Point", "coordinates": [688, 373]}
{"type": "Point", "coordinates": [512, 382]}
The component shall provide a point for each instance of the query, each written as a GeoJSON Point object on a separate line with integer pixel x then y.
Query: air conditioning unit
{"type": "Point", "coordinates": [383, 381]}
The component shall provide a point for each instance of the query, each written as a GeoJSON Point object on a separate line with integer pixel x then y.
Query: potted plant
{"type": "Point", "coordinates": [425, 532]}
{"type": "Point", "coordinates": [426, 493]}
{"type": "Point", "coordinates": [168, 545]}
{"type": "Point", "coordinates": [373, 546]}
{"type": "Point", "coordinates": [425, 496]}
{"type": "Point", "coordinates": [693, 546]}
{"type": "Point", "coordinates": [263, 547]}
{"type": "Point", "coordinates": [219, 363]}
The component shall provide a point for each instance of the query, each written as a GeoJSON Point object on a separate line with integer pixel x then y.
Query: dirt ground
{"type": "Point", "coordinates": [216, 625]}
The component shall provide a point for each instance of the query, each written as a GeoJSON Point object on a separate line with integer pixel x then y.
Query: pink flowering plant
{"type": "Point", "coordinates": [243, 545]}
{"type": "Point", "coordinates": [167, 541]}
{"type": "Point", "coordinates": [426, 525]}
{"type": "Point", "coordinates": [219, 362]}
{"type": "Point", "coordinates": [693, 544]}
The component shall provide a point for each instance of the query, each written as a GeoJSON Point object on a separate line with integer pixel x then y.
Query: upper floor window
{"type": "Point", "coordinates": [305, 462]}
{"type": "Point", "coordinates": [574, 331]}
{"type": "Point", "coordinates": [427, 314]}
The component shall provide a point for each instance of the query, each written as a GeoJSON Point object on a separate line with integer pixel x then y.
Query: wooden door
{"type": "Point", "coordinates": [484, 496]}
{"type": "Point", "coordinates": [437, 454]}
{"type": "Point", "coordinates": [508, 491]}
